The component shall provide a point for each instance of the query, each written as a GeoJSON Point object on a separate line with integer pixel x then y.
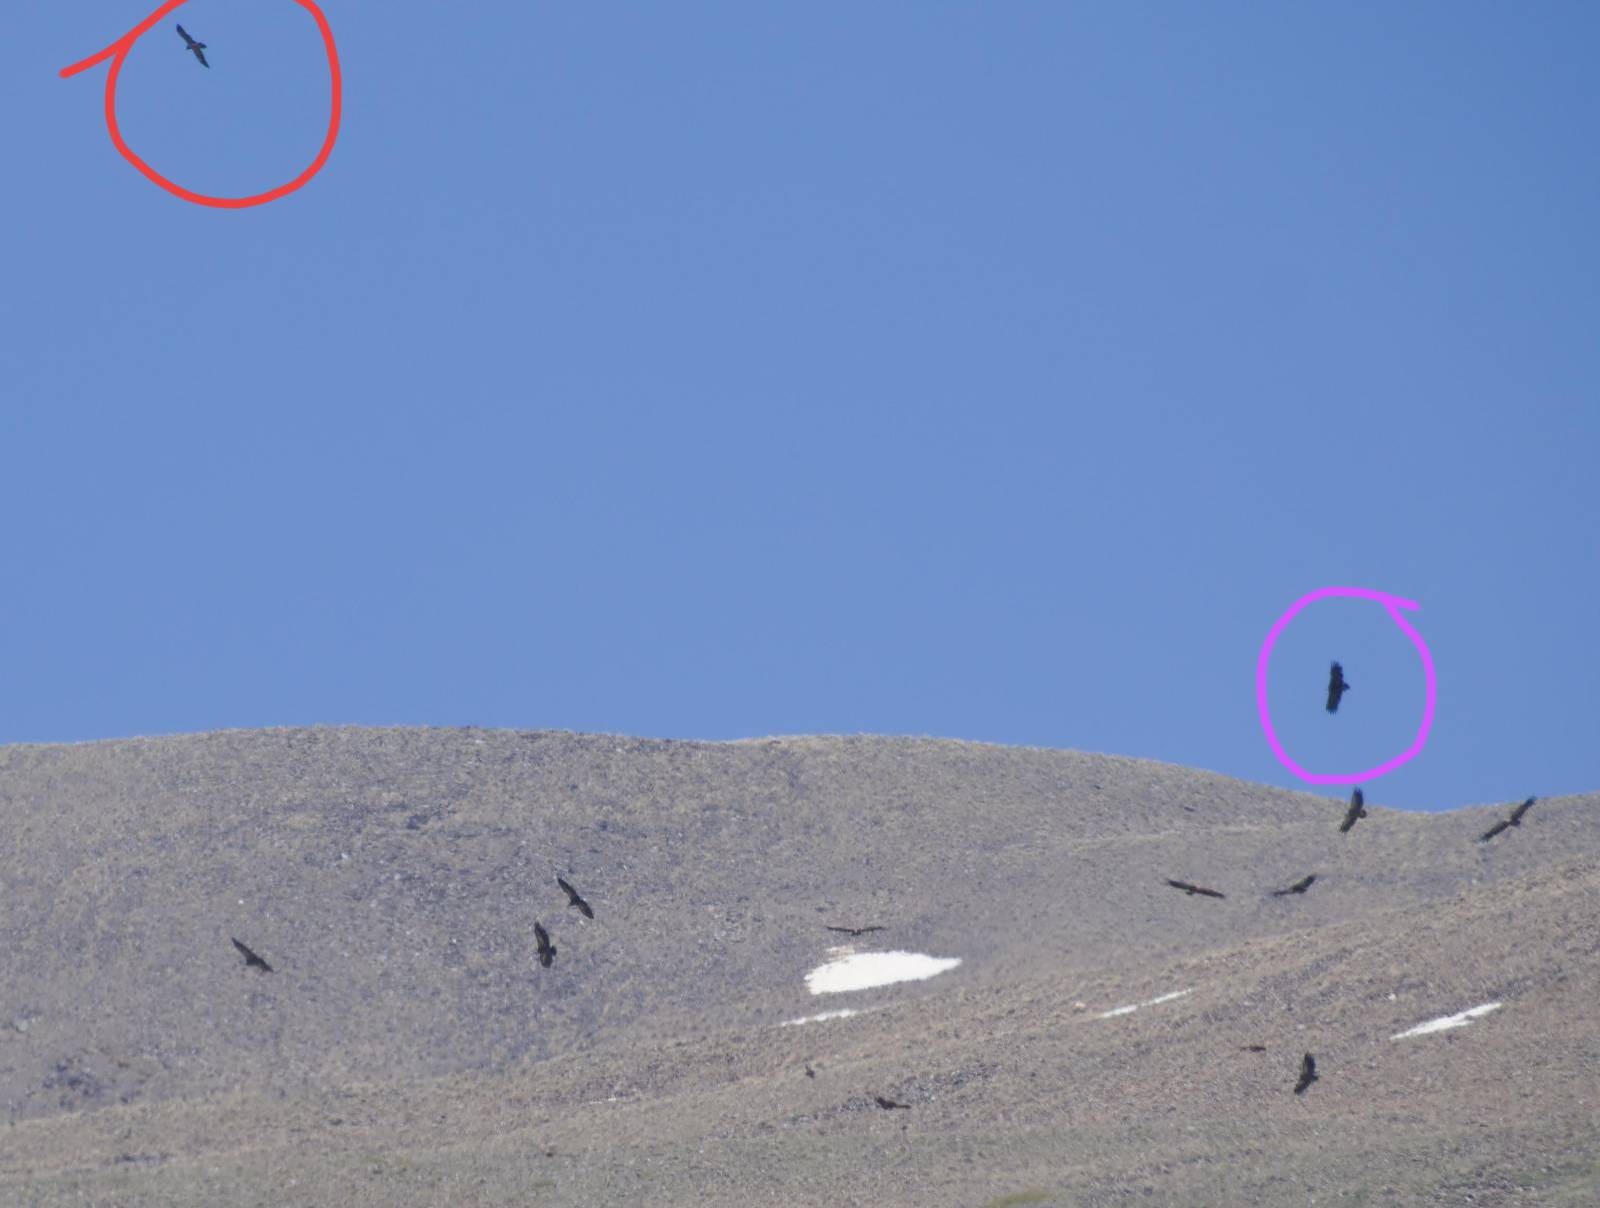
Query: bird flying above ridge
{"type": "Point", "coordinates": [547, 950]}
{"type": "Point", "coordinates": [251, 960]}
{"type": "Point", "coordinates": [1357, 810]}
{"type": "Point", "coordinates": [1508, 823]}
{"type": "Point", "coordinates": [1191, 890]}
{"type": "Point", "coordinates": [1336, 686]}
{"type": "Point", "coordinates": [1300, 886]}
{"type": "Point", "coordinates": [857, 930]}
{"type": "Point", "coordinates": [199, 48]}
{"type": "Point", "coordinates": [1308, 1074]}
{"type": "Point", "coordinates": [574, 899]}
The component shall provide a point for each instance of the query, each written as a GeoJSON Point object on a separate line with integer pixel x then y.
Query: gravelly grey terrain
{"type": "Point", "coordinates": [408, 1049]}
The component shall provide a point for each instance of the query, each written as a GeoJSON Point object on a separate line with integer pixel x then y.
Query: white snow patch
{"type": "Point", "coordinates": [863, 970]}
{"type": "Point", "coordinates": [844, 1014]}
{"type": "Point", "coordinates": [1459, 1020]}
{"type": "Point", "coordinates": [1137, 1005]}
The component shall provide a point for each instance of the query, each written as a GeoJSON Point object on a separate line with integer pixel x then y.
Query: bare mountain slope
{"type": "Point", "coordinates": [408, 1048]}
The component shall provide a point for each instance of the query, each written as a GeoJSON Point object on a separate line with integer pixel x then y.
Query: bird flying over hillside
{"type": "Point", "coordinates": [1508, 823]}
{"type": "Point", "coordinates": [1357, 810]}
{"type": "Point", "coordinates": [1191, 890]}
{"type": "Point", "coordinates": [251, 960]}
{"type": "Point", "coordinates": [1308, 1074]}
{"type": "Point", "coordinates": [1336, 686]}
{"type": "Point", "coordinates": [199, 48]}
{"type": "Point", "coordinates": [856, 930]}
{"type": "Point", "coordinates": [573, 899]}
{"type": "Point", "coordinates": [1300, 886]}
{"type": "Point", "coordinates": [1254, 1048]}
{"type": "Point", "coordinates": [890, 1104]}
{"type": "Point", "coordinates": [547, 950]}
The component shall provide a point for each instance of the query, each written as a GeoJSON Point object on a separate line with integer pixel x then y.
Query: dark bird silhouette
{"type": "Point", "coordinates": [199, 48]}
{"type": "Point", "coordinates": [1336, 686]}
{"type": "Point", "coordinates": [547, 950]}
{"type": "Point", "coordinates": [890, 1104]}
{"type": "Point", "coordinates": [251, 960]}
{"type": "Point", "coordinates": [1300, 886]}
{"type": "Point", "coordinates": [1254, 1048]}
{"type": "Point", "coordinates": [574, 899]}
{"type": "Point", "coordinates": [1191, 890]}
{"type": "Point", "coordinates": [1308, 1074]}
{"type": "Point", "coordinates": [1358, 810]}
{"type": "Point", "coordinates": [857, 930]}
{"type": "Point", "coordinates": [810, 1073]}
{"type": "Point", "coordinates": [1508, 823]}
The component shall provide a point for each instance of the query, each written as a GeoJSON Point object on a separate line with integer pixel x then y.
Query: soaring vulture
{"type": "Point", "coordinates": [574, 899]}
{"type": "Point", "coordinates": [1308, 1074]}
{"type": "Point", "coordinates": [1191, 890]}
{"type": "Point", "coordinates": [856, 930]}
{"type": "Point", "coordinates": [890, 1104]}
{"type": "Point", "coordinates": [1300, 886]}
{"type": "Point", "coordinates": [251, 960]}
{"type": "Point", "coordinates": [1336, 686]}
{"type": "Point", "coordinates": [547, 950]}
{"type": "Point", "coordinates": [1508, 823]}
{"type": "Point", "coordinates": [1357, 810]}
{"type": "Point", "coordinates": [199, 48]}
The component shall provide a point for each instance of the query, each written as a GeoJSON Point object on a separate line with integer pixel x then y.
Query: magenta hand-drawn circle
{"type": "Point", "coordinates": [1393, 604]}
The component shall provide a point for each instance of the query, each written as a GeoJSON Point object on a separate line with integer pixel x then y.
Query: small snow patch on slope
{"type": "Point", "coordinates": [844, 1014]}
{"type": "Point", "coordinates": [863, 970]}
{"type": "Point", "coordinates": [1458, 1020]}
{"type": "Point", "coordinates": [1137, 1005]}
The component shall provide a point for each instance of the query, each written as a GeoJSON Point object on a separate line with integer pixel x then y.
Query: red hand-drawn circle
{"type": "Point", "coordinates": [118, 51]}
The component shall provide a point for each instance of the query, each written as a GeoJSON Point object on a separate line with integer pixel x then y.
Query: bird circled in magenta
{"type": "Point", "coordinates": [117, 52]}
{"type": "Point", "coordinates": [1392, 604]}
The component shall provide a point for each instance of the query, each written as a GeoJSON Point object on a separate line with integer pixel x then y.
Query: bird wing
{"type": "Point", "coordinates": [864, 930]}
{"type": "Point", "coordinates": [572, 894]}
{"type": "Point", "coordinates": [1516, 814]}
{"type": "Point", "coordinates": [1503, 824]}
{"type": "Point", "coordinates": [184, 34]}
{"type": "Point", "coordinates": [846, 930]}
{"type": "Point", "coordinates": [1305, 884]}
{"type": "Point", "coordinates": [201, 55]}
{"type": "Point", "coordinates": [1210, 893]}
{"type": "Point", "coordinates": [1184, 885]}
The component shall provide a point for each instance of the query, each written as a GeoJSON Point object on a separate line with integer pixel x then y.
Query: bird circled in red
{"type": "Point", "coordinates": [118, 51]}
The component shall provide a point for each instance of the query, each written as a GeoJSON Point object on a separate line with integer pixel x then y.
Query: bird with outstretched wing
{"type": "Point", "coordinates": [199, 48]}
{"type": "Point", "coordinates": [1506, 824]}
{"type": "Point", "coordinates": [251, 960]}
{"type": "Point", "coordinates": [1300, 886]}
{"type": "Point", "coordinates": [573, 899]}
{"type": "Point", "coordinates": [1191, 890]}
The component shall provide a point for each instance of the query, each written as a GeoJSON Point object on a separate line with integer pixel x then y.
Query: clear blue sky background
{"type": "Point", "coordinates": [993, 371]}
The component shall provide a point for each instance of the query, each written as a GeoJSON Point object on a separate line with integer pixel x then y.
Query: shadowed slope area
{"type": "Point", "coordinates": [408, 1047]}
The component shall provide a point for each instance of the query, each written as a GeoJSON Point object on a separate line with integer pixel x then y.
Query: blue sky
{"type": "Point", "coordinates": [716, 370]}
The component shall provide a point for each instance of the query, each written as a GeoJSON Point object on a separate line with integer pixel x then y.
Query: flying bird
{"type": "Point", "coordinates": [199, 48]}
{"type": "Point", "coordinates": [890, 1104]}
{"type": "Point", "coordinates": [547, 950]}
{"type": "Point", "coordinates": [574, 899]}
{"type": "Point", "coordinates": [1508, 823]}
{"type": "Point", "coordinates": [1254, 1048]}
{"type": "Point", "coordinates": [251, 960]}
{"type": "Point", "coordinates": [810, 1073]}
{"type": "Point", "coordinates": [1336, 686]}
{"type": "Point", "coordinates": [1357, 810]}
{"type": "Point", "coordinates": [857, 930]}
{"type": "Point", "coordinates": [1300, 886]}
{"type": "Point", "coordinates": [1191, 890]}
{"type": "Point", "coordinates": [1308, 1074]}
